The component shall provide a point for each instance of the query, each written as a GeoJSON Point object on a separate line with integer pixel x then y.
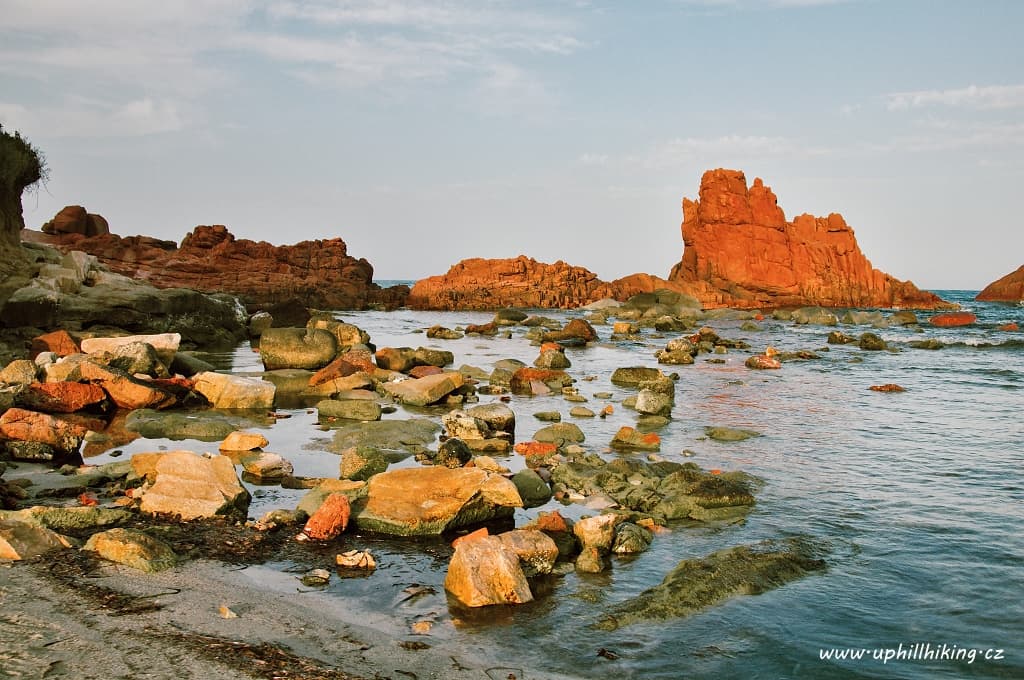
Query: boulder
{"type": "Point", "coordinates": [840, 338]}
{"type": "Point", "coordinates": [330, 519]}
{"type": "Point", "coordinates": [191, 486]}
{"type": "Point", "coordinates": [132, 548]}
{"type": "Point", "coordinates": [61, 397]}
{"type": "Point", "coordinates": [453, 453]}
{"type": "Point", "coordinates": [628, 438]}
{"type": "Point", "coordinates": [243, 441]}
{"type": "Point", "coordinates": [696, 584]}
{"type": "Point", "coordinates": [953, 319]}
{"type": "Point", "coordinates": [442, 333]}
{"type": "Point", "coordinates": [165, 344]}
{"type": "Point", "coordinates": [485, 571]}
{"type": "Point", "coordinates": [576, 331]}
{"type": "Point", "coordinates": [552, 359]}
{"type": "Point", "coordinates": [597, 532]}
{"type": "Point", "coordinates": [20, 425]}
{"type": "Point", "coordinates": [762, 362]}
{"type": "Point", "coordinates": [424, 356]}
{"type": "Point", "coordinates": [234, 391]}
{"type": "Point", "coordinates": [124, 389]}
{"type": "Point", "coordinates": [310, 348]}
{"type": "Point", "coordinates": [318, 494]}
{"type": "Point", "coordinates": [410, 436]}
{"type": "Point", "coordinates": [265, 466]}
{"type": "Point", "coordinates": [429, 501]}
{"type": "Point", "coordinates": [816, 316]}
{"type": "Point", "coordinates": [871, 342]}
{"type": "Point", "coordinates": [729, 434]}
{"type": "Point", "coordinates": [207, 426]}
{"type": "Point", "coordinates": [538, 381]}
{"type": "Point", "coordinates": [22, 541]}
{"type": "Point", "coordinates": [361, 462]}
{"type": "Point", "coordinates": [59, 342]}
{"type": "Point", "coordinates": [532, 488]}
{"type": "Point", "coordinates": [19, 372]}
{"type": "Point", "coordinates": [560, 434]}
{"type": "Point", "coordinates": [399, 359]}
{"type": "Point", "coordinates": [631, 539]}
{"type": "Point", "coordinates": [426, 390]}
{"type": "Point", "coordinates": [69, 519]}
{"type": "Point", "coordinates": [330, 410]}
{"type": "Point", "coordinates": [632, 376]}
{"type": "Point", "coordinates": [536, 551]}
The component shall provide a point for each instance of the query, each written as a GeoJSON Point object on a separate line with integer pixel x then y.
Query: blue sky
{"type": "Point", "coordinates": [423, 132]}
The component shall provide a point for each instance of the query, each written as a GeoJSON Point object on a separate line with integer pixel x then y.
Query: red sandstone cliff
{"type": "Point", "coordinates": [517, 282]}
{"type": "Point", "coordinates": [316, 273]}
{"type": "Point", "coordinates": [739, 251]}
{"type": "Point", "coordinates": [1010, 288]}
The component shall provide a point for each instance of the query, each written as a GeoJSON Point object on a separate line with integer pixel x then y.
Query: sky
{"type": "Point", "coordinates": [423, 133]}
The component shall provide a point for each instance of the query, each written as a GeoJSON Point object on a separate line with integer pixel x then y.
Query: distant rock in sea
{"type": "Point", "coordinates": [317, 273]}
{"type": "Point", "coordinates": [739, 251]}
{"type": "Point", "coordinates": [1010, 288]}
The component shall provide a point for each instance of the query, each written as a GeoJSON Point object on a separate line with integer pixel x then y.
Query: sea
{"type": "Point", "coordinates": [917, 497]}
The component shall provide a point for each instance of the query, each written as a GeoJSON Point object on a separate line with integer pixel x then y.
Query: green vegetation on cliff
{"type": "Point", "coordinates": [21, 166]}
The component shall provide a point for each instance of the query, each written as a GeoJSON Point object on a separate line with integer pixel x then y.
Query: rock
{"type": "Point", "coordinates": [70, 519]}
{"type": "Point", "coordinates": [134, 358]}
{"type": "Point", "coordinates": [953, 319]}
{"type": "Point", "coordinates": [424, 356]}
{"type": "Point", "coordinates": [484, 572]}
{"type": "Point", "coordinates": [1011, 327]}
{"type": "Point", "coordinates": [536, 551]}
{"type": "Point", "coordinates": [931, 343]}
{"type": "Point", "coordinates": [165, 344]}
{"type": "Point", "coordinates": [520, 282]}
{"type": "Point", "coordinates": [399, 359]}
{"type": "Point", "coordinates": [22, 541]}
{"type": "Point", "coordinates": [124, 389]}
{"type": "Point", "coordinates": [132, 548]}
{"type": "Point", "coordinates": [189, 364]}
{"type": "Point", "coordinates": [1009, 288]}
{"type": "Point", "coordinates": [21, 425]}
{"type": "Point", "coordinates": [696, 584]}
{"type": "Point", "coordinates": [590, 561]}
{"type": "Point", "coordinates": [762, 362]}
{"type": "Point", "coordinates": [429, 501]}
{"type": "Point", "coordinates": [631, 539]}
{"type": "Point", "coordinates": [889, 387]}
{"type": "Point", "coordinates": [311, 348]}
{"type": "Point", "coordinates": [632, 376]}
{"type": "Point", "coordinates": [348, 336]}
{"type": "Point", "coordinates": [581, 412]}
{"type": "Point", "coordinates": [597, 532]}
{"type": "Point", "coordinates": [59, 342]}
{"type": "Point", "coordinates": [739, 251]}
{"type": "Point", "coordinates": [424, 371]}
{"type": "Point", "coordinates": [553, 359]}
{"type": "Point", "coordinates": [560, 434]}
{"type": "Point", "coordinates": [353, 490]}
{"type": "Point", "coordinates": [412, 436]}
{"type": "Point", "coordinates": [498, 416]}
{"type": "Point", "coordinates": [207, 426]}
{"type": "Point", "coordinates": [628, 438]}
{"type": "Point", "coordinates": [234, 391]}
{"type": "Point", "coordinates": [904, 317]}
{"type": "Point", "coordinates": [532, 488]}
{"type": "Point", "coordinates": [243, 441]}
{"type": "Point", "coordinates": [538, 381]}
{"type": "Point", "coordinates": [423, 391]}
{"type": "Point", "coordinates": [19, 372]}
{"type": "Point", "coordinates": [814, 316]}
{"type": "Point", "coordinates": [548, 416]}
{"type": "Point", "coordinates": [576, 331]}
{"type": "Point", "coordinates": [318, 274]}
{"type": "Point", "coordinates": [191, 486]}
{"type": "Point", "coordinates": [330, 519]}
{"type": "Point", "coordinates": [442, 333]}
{"type": "Point", "coordinates": [463, 426]}
{"type": "Point", "coordinates": [729, 434]}
{"type": "Point", "coordinates": [453, 453]}
{"type": "Point", "coordinates": [655, 403]}
{"type": "Point", "coordinates": [871, 342]}
{"type": "Point", "coordinates": [840, 338]}
{"type": "Point", "coordinates": [361, 462]}
{"type": "Point", "coordinates": [330, 410]}
{"type": "Point", "coordinates": [258, 323]}
{"type": "Point", "coordinates": [674, 357]}
{"type": "Point", "coordinates": [61, 397]}
{"type": "Point", "coordinates": [265, 466]}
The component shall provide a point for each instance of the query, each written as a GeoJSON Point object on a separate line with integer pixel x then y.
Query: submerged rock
{"type": "Point", "coordinates": [729, 434]}
{"type": "Point", "coordinates": [410, 436]}
{"type": "Point", "coordinates": [697, 584]}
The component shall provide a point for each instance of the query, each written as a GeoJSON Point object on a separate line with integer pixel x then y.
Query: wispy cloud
{"type": "Point", "coordinates": [972, 97]}
{"type": "Point", "coordinates": [79, 117]}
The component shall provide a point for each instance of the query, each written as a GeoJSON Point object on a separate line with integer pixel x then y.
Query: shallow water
{"type": "Point", "coordinates": [917, 494]}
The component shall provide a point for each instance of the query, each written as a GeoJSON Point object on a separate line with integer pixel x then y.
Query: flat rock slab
{"type": "Point", "coordinates": [429, 501]}
{"type": "Point", "coordinates": [190, 486]}
{"type": "Point", "coordinates": [165, 344]}
{"type": "Point", "coordinates": [426, 390]}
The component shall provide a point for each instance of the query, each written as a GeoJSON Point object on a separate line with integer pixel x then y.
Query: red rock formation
{"type": "Point", "coordinates": [739, 251]}
{"type": "Point", "coordinates": [1010, 288]}
{"type": "Point", "coordinates": [318, 273]}
{"type": "Point", "coordinates": [74, 219]}
{"type": "Point", "coordinates": [953, 319]}
{"type": "Point", "coordinates": [518, 282]}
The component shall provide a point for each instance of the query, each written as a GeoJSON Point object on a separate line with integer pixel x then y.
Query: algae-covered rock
{"type": "Point", "coordinates": [729, 434]}
{"type": "Point", "coordinates": [410, 436]}
{"type": "Point", "coordinates": [68, 519]}
{"type": "Point", "coordinates": [132, 548]}
{"type": "Point", "coordinates": [699, 583]}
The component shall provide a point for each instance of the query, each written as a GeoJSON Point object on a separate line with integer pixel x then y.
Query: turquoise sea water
{"type": "Point", "coordinates": [919, 497]}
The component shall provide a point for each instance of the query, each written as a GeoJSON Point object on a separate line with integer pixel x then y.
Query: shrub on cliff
{"type": "Point", "coordinates": [21, 166]}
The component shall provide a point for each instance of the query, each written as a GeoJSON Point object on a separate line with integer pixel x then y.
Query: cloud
{"type": "Point", "coordinates": [90, 118]}
{"type": "Point", "coordinates": [972, 97]}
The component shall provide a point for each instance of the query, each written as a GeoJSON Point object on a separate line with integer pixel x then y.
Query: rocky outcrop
{"type": "Point", "coordinates": [517, 282]}
{"type": "Point", "coordinates": [74, 219]}
{"type": "Point", "coordinates": [739, 251]}
{"type": "Point", "coordinates": [1010, 288]}
{"type": "Point", "coordinates": [317, 273]}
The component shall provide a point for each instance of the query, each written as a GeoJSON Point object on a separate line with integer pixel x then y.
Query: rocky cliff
{"type": "Point", "coordinates": [314, 273]}
{"type": "Point", "coordinates": [739, 251]}
{"type": "Point", "coordinates": [1010, 288]}
{"type": "Point", "coordinates": [516, 282]}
